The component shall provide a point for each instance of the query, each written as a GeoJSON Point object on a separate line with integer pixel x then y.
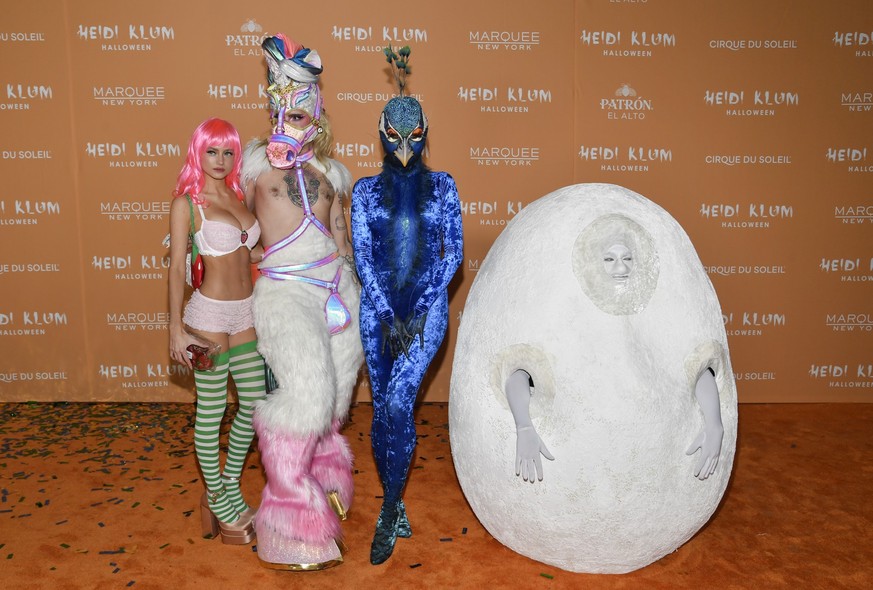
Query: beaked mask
{"type": "Point", "coordinates": [403, 129]}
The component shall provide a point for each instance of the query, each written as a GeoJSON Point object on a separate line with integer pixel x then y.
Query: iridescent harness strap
{"type": "Point", "coordinates": [336, 314]}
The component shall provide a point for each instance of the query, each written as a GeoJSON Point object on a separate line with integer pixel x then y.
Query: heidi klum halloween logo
{"type": "Point", "coordinates": [240, 97]}
{"type": "Point", "coordinates": [133, 38]}
{"type": "Point", "coordinates": [626, 158]}
{"type": "Point", "coordinates": [23, 97]}
{"type": "Point", "coordinates": [854, 158]}
{"type": "Point", "coordinates": [492, 213]}
{"type": "Point", "coordinates": [505, 99]}
{"type": "Point", "coordinates": [628, 44]}
{"type": "Point", "coordinates": [844, 376]}
{"type": "Point", "coordinates": [140, 376]}
{"type": "Point", "coordinates": [859, 43]}
{"type": "Point", "coordinates": [752, 323]}
{"type": "Point", "coordinates": [751, 102]}
{"type": "Point", "coordinates": [31, 322]}
{"type": "Point", "coordinates": [27, 211]}
{"type": "Point", "coordinates": [746, 215]}
{"type": "Point", "coordinates": [849, 270]}
{"type": "Point", "coordinates": [133, 154]}
{"type": "Point", "coordinates": [132, 267]}
{"type": "Point", "coordinates": [373, 39]}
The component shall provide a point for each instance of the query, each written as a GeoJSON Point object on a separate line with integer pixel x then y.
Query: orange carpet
{"type": "Point", "coordinates": [106, 496]}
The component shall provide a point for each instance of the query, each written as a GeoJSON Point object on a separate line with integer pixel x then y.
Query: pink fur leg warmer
{"type": "Point", "coordinates": [332, 465]}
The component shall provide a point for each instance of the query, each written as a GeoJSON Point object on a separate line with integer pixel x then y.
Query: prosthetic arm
{"type": "Point", "coordinates": [528, 445]}
{"type": "Point", "coordinates": [709, 439]}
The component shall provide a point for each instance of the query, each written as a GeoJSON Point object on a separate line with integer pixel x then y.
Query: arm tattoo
{"type": "Point", "coordinates": [312, 185]}
{"type": "Point", "coordinates": [340, 222]}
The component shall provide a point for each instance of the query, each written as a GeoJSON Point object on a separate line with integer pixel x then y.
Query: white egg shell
{"type": "Point", "coordinates": [614, 366]}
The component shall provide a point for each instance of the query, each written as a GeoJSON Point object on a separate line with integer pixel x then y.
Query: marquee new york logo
{"type": "Point", "coordinates": [853, 214]}
{"type": "Point", "coordinates": [505, 156]}
{"type": "Point", "coordinates": [128, 96]}
{"type": "Point", "coordinates": [138, 321]}
{"type": "Point", "coordinates": [141, 210]}
{"type": "Point", "coordinates": [857, 102]}
{"type": "Point", "coordinates": [849, 322]}
{"type": "Point", "coordinates": [504, 40]}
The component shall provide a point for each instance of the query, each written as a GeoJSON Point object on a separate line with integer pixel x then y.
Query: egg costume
{"type": "Point", "coordinates": [598, 294]}
{"type": "Point", "coordinates": [408, 241]}
{"type": "Point", "coordinates": [305, 310]}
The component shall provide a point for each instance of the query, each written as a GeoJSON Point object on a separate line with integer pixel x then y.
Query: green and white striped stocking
{"type": "Point", "coordinates": [211, 404]}
{"type": "Point", "coordinates": [247, 368]}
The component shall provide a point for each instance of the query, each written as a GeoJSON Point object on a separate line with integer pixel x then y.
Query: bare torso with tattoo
{"type": "Point", "coordinates": [279, 204]}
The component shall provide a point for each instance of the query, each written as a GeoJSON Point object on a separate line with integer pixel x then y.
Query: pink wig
{"type": "Point", "coordinates": [211, 132]}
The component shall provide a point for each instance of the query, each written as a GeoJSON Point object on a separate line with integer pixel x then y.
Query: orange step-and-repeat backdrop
{"type": "Point", "coordinates": [750, 121]}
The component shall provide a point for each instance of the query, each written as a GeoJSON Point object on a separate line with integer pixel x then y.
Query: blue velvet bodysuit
{"type": "Point", "coordinates": [408, 241]}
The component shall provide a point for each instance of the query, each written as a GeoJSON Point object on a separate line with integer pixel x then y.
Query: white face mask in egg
{"type": "Point", "coordinates": [616, 264]}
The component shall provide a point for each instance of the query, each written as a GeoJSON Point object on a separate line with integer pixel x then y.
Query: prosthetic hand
{"type": "Point", "coordinates": [709, 439]}
{"type": "Point", "coordinates": [528, 445]}
{"type": "Point", "coordinates": [528, 448]}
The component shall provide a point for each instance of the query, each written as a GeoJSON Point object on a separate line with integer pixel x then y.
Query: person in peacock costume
{"type": "Point", "coordinates": [408, 241]}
